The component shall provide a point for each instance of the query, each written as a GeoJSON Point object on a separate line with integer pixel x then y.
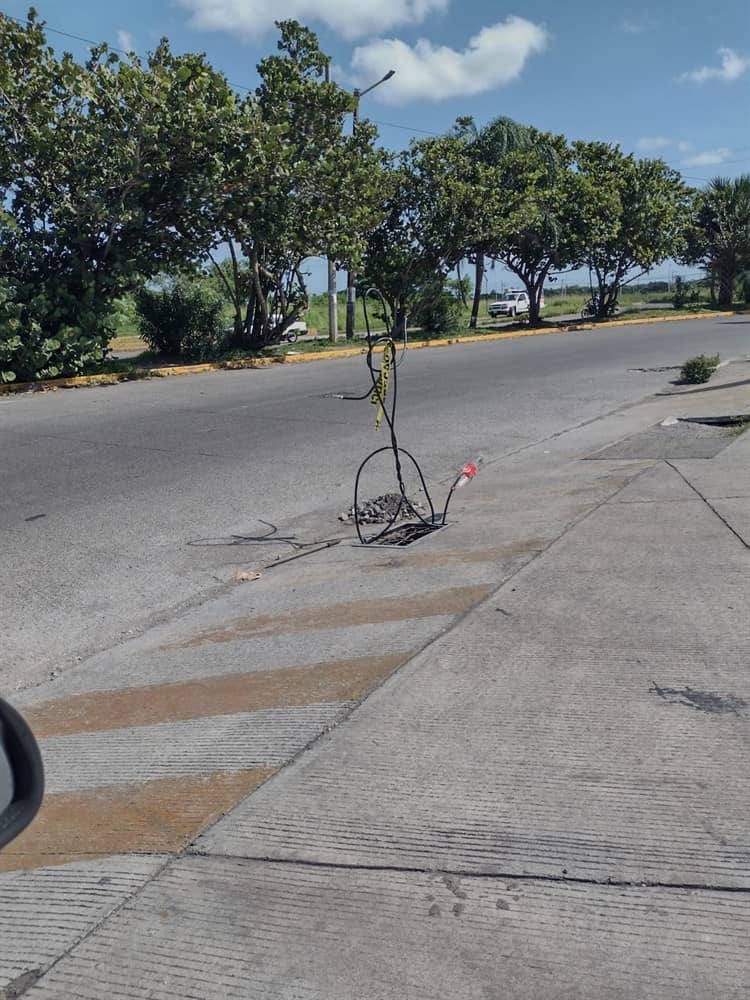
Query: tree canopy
{"type": "Point", "coordinates": [116, 170]}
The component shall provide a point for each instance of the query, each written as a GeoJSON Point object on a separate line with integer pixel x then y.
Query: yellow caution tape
{"type": "Point", "coordinates": [381, 389]}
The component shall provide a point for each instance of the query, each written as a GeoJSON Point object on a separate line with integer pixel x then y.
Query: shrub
{"type": "Point", "coordinates": [50, 331]}
{"type": "Point", "coordinates": [182, 320]}
{"type": "Point", "coordinates": [699, 369]}
{"type": "Point", "coordinates": [440, 316]}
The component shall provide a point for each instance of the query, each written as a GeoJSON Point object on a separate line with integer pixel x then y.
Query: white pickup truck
{"type": "Point", "coordinates": [513, 303]}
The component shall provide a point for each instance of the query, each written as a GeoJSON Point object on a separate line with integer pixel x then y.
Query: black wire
{"type": "Point", "coordinates": [271, 537]}
{"type": "Point", "coordinates": [389, 413]}
{"type": "Point", "coordinates": [376, 393]}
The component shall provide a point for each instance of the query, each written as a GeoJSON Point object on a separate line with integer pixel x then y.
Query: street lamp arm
{"type": "Point", "coordinates": [361, 93]}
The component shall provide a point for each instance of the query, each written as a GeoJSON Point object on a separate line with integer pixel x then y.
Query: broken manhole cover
{"type": "Point", "coordinates": [406, 534]}
{"type": "Point", "coordinates": [699, 437]}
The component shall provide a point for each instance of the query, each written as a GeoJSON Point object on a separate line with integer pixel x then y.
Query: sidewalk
{"type": "Point", "coordinates": [545, 795]}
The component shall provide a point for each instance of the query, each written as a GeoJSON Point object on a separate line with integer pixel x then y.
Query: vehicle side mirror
{"type": "Point", "coordinates": [21, 774]}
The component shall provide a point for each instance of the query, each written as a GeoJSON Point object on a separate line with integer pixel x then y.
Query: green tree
{"type": "Point", "coordinates": [635, 216]}
{"type": "Point", "coordinates": [534, 216]}
{"type": "Point", "coordinates": [430, 214]}
{"type": "Point", "coordinates": [489, 146]}
{"type": "Point", "coordinates": [720, 235]}
{"type": "Point", "coordinates": [294, 187]}
{"type": "Point", "coordinates": [105, 172]}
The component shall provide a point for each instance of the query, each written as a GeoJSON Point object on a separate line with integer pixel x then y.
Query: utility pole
{"type": "Point", "coordinates": [333, 305]}
{"type": "Point", "coordinates": [351, 291]}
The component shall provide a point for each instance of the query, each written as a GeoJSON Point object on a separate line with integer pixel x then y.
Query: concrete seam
{"type": "Point", "coordinates": [91, 930]}
{"type": "Point", "coordinates": [345, 714]}
{"type": "Point", "coordinates": [592, 420]}
{"type": "Point", "coordinates": [351, 707]}
{"type": "Point", "coordinates": [212, 592]}
{"type": "Point", "coordinates": [708, 503]}
{"type": "Point", "coordinates": [463, 873]}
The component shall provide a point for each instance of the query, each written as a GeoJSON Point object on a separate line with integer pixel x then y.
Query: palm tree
{"type": "Point", "coordinates": [723, 231]}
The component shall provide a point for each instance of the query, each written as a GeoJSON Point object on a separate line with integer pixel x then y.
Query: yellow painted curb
{"type": "Point", "coordinates": [138, 374]}
{"type": "Point", "coordinates": [111, 378]}
{"type": "Point", "coordinates": [666, 319]}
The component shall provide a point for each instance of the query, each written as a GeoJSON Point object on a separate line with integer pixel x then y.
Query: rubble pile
{"type": "Point", "coordinates": [383, 509]}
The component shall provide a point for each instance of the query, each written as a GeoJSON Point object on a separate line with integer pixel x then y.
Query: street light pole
{"type": "Point", "coordinates": [351, 290]}
{"type": "Point", "coordinates": [333, 305]}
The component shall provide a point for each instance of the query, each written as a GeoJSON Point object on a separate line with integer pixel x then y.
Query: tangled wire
{"type": "Point", "coordinates": [383, 392]}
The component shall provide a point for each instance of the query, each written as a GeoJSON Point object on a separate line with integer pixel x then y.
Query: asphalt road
{"type": "Point", "coordinates": [104, 489]}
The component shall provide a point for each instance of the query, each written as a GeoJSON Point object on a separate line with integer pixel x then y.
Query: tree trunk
{"type": "Point", "coordinates": [712, 285]}
{"type": "Point", "coordinates": [601, 295]}
{"type": "Point", "coordinates": [726, 288]}
{"type": "Point", "coordinates": [534, 294]}
{"type": "Point", "coordinates": [478, 279]}
{"type": "Point", "coordinates": [534, 289]}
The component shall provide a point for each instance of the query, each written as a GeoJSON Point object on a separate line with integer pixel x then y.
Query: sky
{"type": "Point", "coordinates": [669, 80]}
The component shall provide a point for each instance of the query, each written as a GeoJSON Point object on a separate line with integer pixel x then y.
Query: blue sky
{"type": "Point", "coordinates": [672, 81]}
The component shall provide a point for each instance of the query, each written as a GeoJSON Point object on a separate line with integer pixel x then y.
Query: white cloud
{"type": "Point", "coordinates": [430, 72]}
{"type": "Point", "coordinates": [653, 143]}
{"type": "Point", "coordinates": [637, 25]}
{"type": "Point", "coordinates": [709, 158]}
{"type": "Point", "coordinates": [685, 147]}
{"type": "Point", "coordinates": [351, 19]}
{"type": "Point", "coordinates": [125, 41]}
{"type": "Point", "coordinates": [732, 67]}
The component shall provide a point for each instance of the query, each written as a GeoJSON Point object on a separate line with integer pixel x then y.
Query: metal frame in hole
{"type": "Point", "coordinates": [406, 524]}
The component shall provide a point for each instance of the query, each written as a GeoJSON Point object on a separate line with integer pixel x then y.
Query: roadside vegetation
{"type": "Point", "coordinates": [146, 202]}
{"type": "Point", "coordinates": [699, 369]}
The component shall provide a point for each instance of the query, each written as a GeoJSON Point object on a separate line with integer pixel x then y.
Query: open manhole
{"type": "Point", "coordinates": [405, 534]}
{"type": "Point", "coordinates": [693, 437]}
{"type": "Point", "coordinates": [739, 421]}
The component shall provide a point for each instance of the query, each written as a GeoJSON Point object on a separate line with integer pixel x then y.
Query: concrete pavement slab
{"type": "Point", "coordinates": [659, 484]}
{"type": "Point", "coordinates": [45, 913]}
{"type": "Point", "coordinates": [683, 439]}
{"type": "Point", "coordinates": [142, 661]}
{"type": "Point", "coordinates": [193, 746]}
{"type": "Point", "coordinates": [736, 513]}
{"type": "Point", "coordinates": [141, 818]}
{"type": "Point", "coordinates": [533, 739]}
{"type": "Point", "coordinates": [727, 476]}
{"type": "Point", "coordinates": [589, 722]}
{"type": "Point", "coordinates": [222, 929]}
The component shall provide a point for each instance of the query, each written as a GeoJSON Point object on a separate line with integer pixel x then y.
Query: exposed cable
{"type": "Point", "coordinates": [383, 391]}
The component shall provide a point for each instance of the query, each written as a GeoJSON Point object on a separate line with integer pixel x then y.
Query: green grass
{"type": "Point", "coordinates": [128, 339]}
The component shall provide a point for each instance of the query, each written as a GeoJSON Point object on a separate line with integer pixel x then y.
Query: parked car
{"type": "Point", "coordinates": [513, 303]}
{"type": "Point", "coordinates": [294, 330]}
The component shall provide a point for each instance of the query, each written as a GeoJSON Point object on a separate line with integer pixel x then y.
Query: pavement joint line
{"type": "Point", "coordinates": [173, 857]}
{"type": "Point", "coordinates": [352, 707]}
{"type": "Point", "coordinates": [187, 852]}
{"type": "Point", "coordinates": [223, 587]}
{"type": "Point", "coordinates": [467, 874]}
{"type": "Point", "coordinates": [244, 364]}
{"type": "Point", "coordinates": [576, 427]}
{"type": "Point", "coordinates": [592, 420]}
{"type": "Point", "coordinates": [42, 971]}
{"type": "Point", "coordinates": [708, 503]}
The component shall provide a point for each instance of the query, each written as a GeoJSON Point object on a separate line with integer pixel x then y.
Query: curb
{"type": "Point", "coordinates": [113, 378]}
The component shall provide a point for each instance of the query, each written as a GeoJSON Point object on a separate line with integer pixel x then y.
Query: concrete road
{"type": "Point", "coordinates": [545, 795]}
{"type": "Point", "coordinates": [105, 488]}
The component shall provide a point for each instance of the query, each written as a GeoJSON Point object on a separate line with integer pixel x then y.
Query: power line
{"type": "Point", "coordinates": [408, 128]}
{"type": "Point", "coordinates": [249, 90]}
{"type": "Point", "coordinates": [91, 41]}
